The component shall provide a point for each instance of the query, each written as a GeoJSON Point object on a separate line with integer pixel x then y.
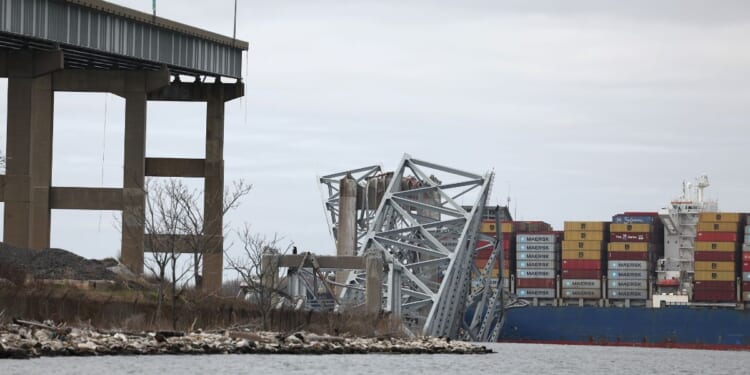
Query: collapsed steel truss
{"type": "Point", "coordinates": [428, 241]}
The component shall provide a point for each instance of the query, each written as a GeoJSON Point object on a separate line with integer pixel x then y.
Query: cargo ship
{"type": "Point", "coordinates": [676, 277]}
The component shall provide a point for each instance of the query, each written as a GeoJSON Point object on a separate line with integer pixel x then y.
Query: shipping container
{"type": "Point", "coordinates": [747, 238]}
{"type": "Point", "coordinates": [717, 236]}
{"type": "Point", "coordinates": [628, 219]}
{"type": "Point", "coordinates": [627, 255]}
{"type": "Point", "coordinates": [488, 227]}
{"type": "Point", "coordinates": [715, 246]}
{"type": "Point", "coordinates": [718, 227]}
{"type": "Point", "coordinates": [628, 246]}
{"type": "Point", "coordinates": [581, 264]}
{"type": "Point", "coordinates": [715, 256]}
{"type": "Point", "coordinates": [536, 264]}
{"type": "Point", "coordinates": [714, 275]}
{"type": "Point", "coordinates": [629, 237]}
{"type": "Point", "coordinates": [628, 284]}
{"type": "Point", "coordinates": [714, 285]}
{"type": "Point", "coordinates": [714, 295]}
{"type": "Point", "coordinates": [746, 246]}
{"type": "Point", "coordinates": [536, 273]}
{"type": "Point", "coordinates": [582, 293]}
{"type": "Point", "coordinates": [746, 276]}
{"type": "Point", "coordinates": [628, 265]}
{"type": "Point", "coordinates": [585, 226]}
{"type": "Point", "coordinates": [746, 285]}
{"type": "Point", "coordinates": [536, 255]}
{"type": "Point", "coordinates": [583, 235]}
{"type": "Point", "coordinates": [627, 294]}
{"type": "Point", "coordinates": [582, 283]}
{"type": "Point", "coordinates": [506, 227]}
{"type": "Point", "coordinates": [583, 245]}
{"type": "Point", "coordinates": [720, 217]}
{"type": "Point", "coordinates": [631, 228]}
{"type": "Point", "coordinates": [746, 296]}
{"type": "Point", "coordinates": [747, 229]}
{"type": "Point", "coordinates": [746, 256]}
{"type": "Point", "coordinates": [581, 274]}
{"type": "Point", "coordinates": [628, 275]}
{"type": "Point", "coordinates": [536, 238]}
{"type": "Point", "coordinates": [536, 247]}
{"type": "Point", "coordinates": [535, 293]}
{"type": "Point", "coordinates": [582, 254]}
{"type": "Point", "coordinates": [535, 283]}
{"type": "Point", "coordinates": [715, 266]}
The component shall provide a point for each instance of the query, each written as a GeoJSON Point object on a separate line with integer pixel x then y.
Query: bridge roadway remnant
{"type": "Point", "coordinates": [94, 46]}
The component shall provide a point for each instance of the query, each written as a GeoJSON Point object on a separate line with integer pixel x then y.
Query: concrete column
{"type": "Point", "coordinates": [346, 231]}
{"type": "Point", "coordinates": [213, 205]}
{"type": "Point", "coordinates": [373, 282]}
{"type": "Point", "coordinates": [133, 195]}
{"type": "Point", "coordinates": [41, 161]}
{"type": "Point", "coordinates": [16, 225]}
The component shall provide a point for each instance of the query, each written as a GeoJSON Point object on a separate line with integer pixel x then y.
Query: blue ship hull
{"type": "Point", "coordinates": [690, 327]}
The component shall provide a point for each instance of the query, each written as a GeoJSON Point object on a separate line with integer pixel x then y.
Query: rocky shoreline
{"type": "Point", "coordinates": [32, 340]}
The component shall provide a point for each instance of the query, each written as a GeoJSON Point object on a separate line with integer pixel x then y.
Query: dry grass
{"type": "Point", "coordinates": [136, 311]}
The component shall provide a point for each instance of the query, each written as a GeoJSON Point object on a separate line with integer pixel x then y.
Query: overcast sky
{"type": "Point", "coordinates": [583, 108]}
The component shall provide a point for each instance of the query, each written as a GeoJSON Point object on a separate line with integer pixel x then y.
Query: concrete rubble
{"type": "Point", "coordinates": [32, 340]}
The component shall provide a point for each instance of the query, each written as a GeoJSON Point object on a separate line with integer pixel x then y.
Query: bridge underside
{"type": "Point", "coordinates": [34, 75]}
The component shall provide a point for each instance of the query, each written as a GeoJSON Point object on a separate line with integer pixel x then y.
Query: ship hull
{"type": "Point", "coordinates": [676, 327]}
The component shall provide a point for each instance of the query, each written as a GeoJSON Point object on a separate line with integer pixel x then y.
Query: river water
{"type": "Point", "coordinates": [510, 359]}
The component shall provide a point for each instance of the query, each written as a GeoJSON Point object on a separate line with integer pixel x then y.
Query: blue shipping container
{"type": "Point", "coordinates": [623, 219]}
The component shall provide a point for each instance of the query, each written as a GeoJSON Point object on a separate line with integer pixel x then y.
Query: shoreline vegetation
{"type": "Point", "coordinates": [30, 339]}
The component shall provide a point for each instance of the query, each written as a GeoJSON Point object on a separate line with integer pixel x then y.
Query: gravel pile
{"type": "Point", "coordinates": [54, 264]}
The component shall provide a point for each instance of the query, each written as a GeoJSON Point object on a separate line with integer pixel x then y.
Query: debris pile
{"type": "Point", "coordinates": [25, 339]}
{"type": "Point", "coordinates": [53, 264]}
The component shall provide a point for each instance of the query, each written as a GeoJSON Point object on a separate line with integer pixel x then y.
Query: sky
{"type": "Point", "coordinates": [583, 109]}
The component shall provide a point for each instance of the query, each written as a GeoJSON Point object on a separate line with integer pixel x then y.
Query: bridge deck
{"type": "Point", "coordinates": [100, 35]}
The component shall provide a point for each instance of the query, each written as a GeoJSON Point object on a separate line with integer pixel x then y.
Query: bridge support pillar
{"type": "Point", "coordinates": [134, 172]}
{"type": "Point", "coordinates": [213, 206]}
{"type": "Point", "coordinates": [29, 146]}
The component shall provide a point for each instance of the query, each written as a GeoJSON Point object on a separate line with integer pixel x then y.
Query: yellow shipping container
{"type": "Point", "coordinates": [630, 228]}
{"type": "Point", "coordinates": [506, 227]}
{"type": "Point", "coordinates": [715, 246]}
{"type": "Point", "coordinates": [582, 254]}
{"type": "Point", "coordinates": [714, 276]}
{"type": "Point", "coordinates": [718, 227]}
{"type": "Point", "coordinates": [585, 225]}
{"type": "Point", "coordinates": [575, 235]}
{"type": "Point", "coordinates": [506, 273]}
{"type": "Point", "coordinates": [488, 228]}
{"type": "Point", "coordinates": [582, 245]}
{"type": "Point", "coordinates": [715, 266]}
{"type": "Point", "coordinates": [628, 246]}
{"type": "Point", "coordinates": [720, 217]}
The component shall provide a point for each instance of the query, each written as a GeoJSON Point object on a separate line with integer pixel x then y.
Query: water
{"type": "Point", "coordinates": [511, 359]}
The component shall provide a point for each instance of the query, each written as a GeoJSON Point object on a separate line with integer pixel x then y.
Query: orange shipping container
{"type": "Point", "coordinates": [720, 217]}
{"type": "Point", "coordinates": [630, 228]}
{"type": "Point", "coordinates": [718, 227]}
{"type": "Point", "coordinates": [582, 245]}
{"type": "Point", "coordinates": [582, 254]}
{"type": "Point", "coordinates": [585, 226]}
{"type": "Point", "coordinates": [628, 246]}
{"type": "Point", "coordinates": [583, 235]}
{"type": "Point", "coordinates": [716, 246]}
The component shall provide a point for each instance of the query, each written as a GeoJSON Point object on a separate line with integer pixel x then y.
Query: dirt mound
{"type": "Point", "coordinates": [52, 264]}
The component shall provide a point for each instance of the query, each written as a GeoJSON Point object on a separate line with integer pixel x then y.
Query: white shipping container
{"type": "Point", "coordinates": [536, 274]}
{"type": "Point", "coordinates": [627, 265]}
{"type": "Point", "coordinates": [535, 293]}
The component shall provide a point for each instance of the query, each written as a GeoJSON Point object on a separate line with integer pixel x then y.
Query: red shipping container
{"type": "Point", "coordinates": [711, 256]}
{"type": "Point", "coordinates": [714, 296]}
{"type": "Point", "coordinates": [627, 255]}
{"type": "Point", "coordinates": [745, 266]}
{"type": "Point", "coordinates": [746, 286]}
{"type": "Point", "coordinates": [746, 256]}
{"type": "Point", "coordinates": [535, 283]}
{"type": "Point", "coordinates": [717, 236]}
{"type": "Point", "coordinates": [483, 254]}
{"type": "Point", "coordinates": [629, 237]}
{"type": "Point", "coordinates": [714, 285]}
{"type": "Point", "coordinates": [581, 274]}
{"type": "Point", "coordinates": [581, 264]}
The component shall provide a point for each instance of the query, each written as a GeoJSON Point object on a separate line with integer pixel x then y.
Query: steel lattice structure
{"type": "Point", "coordinates": [428, 241]}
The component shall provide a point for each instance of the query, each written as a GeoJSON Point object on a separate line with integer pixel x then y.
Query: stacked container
{"type": "Point", "coordinates": [746, 262]}
{"type": "Point", "coordinates": [632, 251]}
{"type": "Point", "coordinates": [537, 264]}
{"type": "Point", "coordinates": [485, 250]}
{"type": "Point", "coordinates": [716, 250]}
{"type": "Point", "coordinates": [582, 258]}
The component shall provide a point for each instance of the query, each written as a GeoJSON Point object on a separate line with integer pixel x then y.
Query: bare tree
{"type": "Point", "coordinates": [260, 279]}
